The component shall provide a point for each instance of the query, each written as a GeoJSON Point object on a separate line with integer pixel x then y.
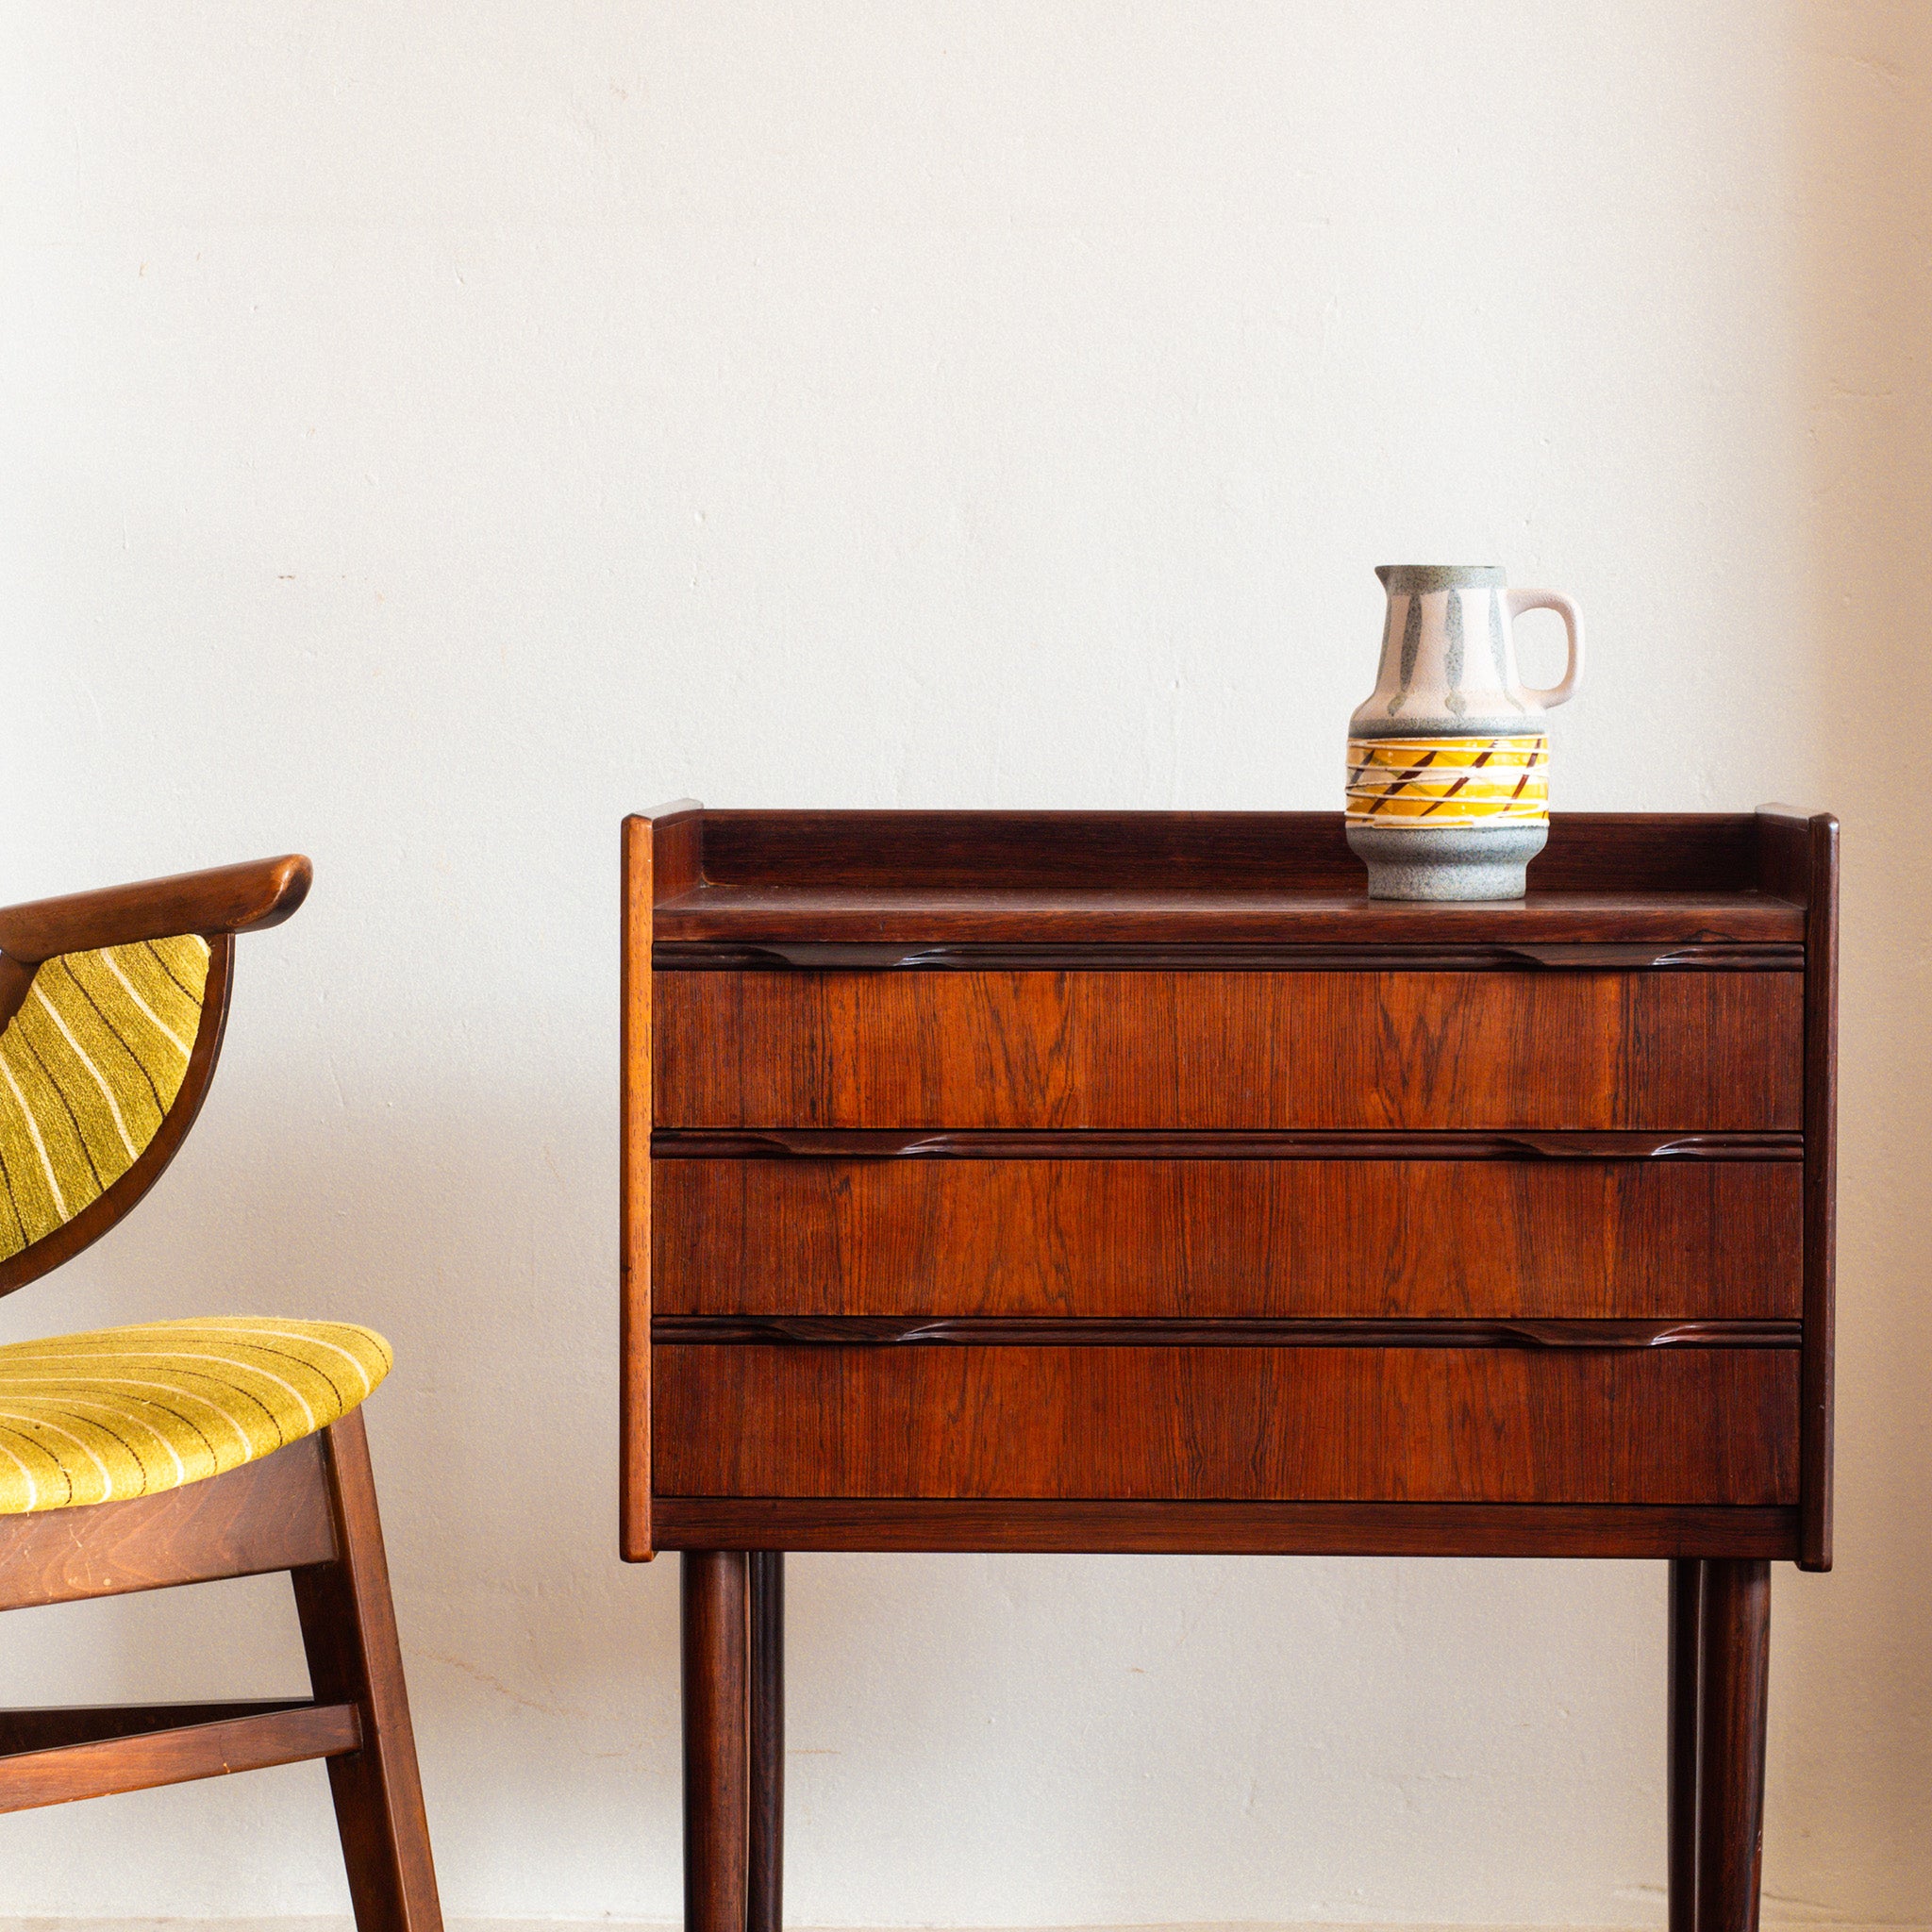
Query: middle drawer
{"type": "Point", "coordinates": [1229, 1238]}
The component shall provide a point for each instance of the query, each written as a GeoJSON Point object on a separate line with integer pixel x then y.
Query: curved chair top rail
{"type": "Point", "coordinates": [62, 1095]}
{"type": "Point", "coordinates": [227, 899]}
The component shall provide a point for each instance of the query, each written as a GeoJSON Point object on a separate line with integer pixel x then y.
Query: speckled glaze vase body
{"type": "Point", "coordinates": [1448, 761]}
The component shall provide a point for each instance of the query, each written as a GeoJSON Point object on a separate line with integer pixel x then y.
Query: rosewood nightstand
{"type": "Point", "coordinates": [1132, 1181]}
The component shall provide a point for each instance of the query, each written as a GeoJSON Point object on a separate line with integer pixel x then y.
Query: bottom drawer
{"type": "Point", "coordinates": [1683, 1425]}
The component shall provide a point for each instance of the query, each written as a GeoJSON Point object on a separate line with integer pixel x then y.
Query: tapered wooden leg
{"type": "Point", "coordinates": [1736, 1656]}
{"type": "Point", "coordinates": [349, 1632]}
{"type": "Point", "coordinates": [1687, 1642]}
{"type": "Point", "coordinates": [765, 1885]}
{"type": "Point", "coordinates": [714, 1586]}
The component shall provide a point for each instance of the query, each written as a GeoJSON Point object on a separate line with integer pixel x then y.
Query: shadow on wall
{"type": "Point", "coordinates": [1849, 1803]}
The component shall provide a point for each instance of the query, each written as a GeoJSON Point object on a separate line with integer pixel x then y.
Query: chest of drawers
{"type": "Point", "coordinates": [1133, 1182]}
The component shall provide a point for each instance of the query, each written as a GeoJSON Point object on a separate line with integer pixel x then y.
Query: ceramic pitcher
{"type": "Point", "coordinates": [1448, 780]}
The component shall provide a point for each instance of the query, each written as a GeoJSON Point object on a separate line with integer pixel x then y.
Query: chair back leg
{"type": "Point", "coordinates": [349, 1632]}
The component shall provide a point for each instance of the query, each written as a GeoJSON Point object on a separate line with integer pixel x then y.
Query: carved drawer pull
{"type": "Point", "coordinates": [1718, 954]}
{"type": "Point", "coordinates": [996, 1143]}
{"type": "Point", "coordinates": [1050, 1331]}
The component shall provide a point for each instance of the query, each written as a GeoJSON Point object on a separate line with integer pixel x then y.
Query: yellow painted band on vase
{"type": "Point", "coordinates": [1433, 783]}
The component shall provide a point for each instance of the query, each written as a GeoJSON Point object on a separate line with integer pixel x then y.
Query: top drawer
{"type": "Point", "coordinates": [1671, 1050]}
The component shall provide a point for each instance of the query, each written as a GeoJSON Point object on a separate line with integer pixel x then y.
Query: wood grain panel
{"type": "Point", "coordinates": [1208, 1238]}
{"type": "Point", "coordinates": [1226, 852]}
{"type": "Point", "coordinates": [268, 1515]}
{"type": "Point", "coordinates": [1395, 1424]}
{"type": "Point", "coordinates": [1201, 1051]}
{"type": "Point", "coordinates": [1261, 878]}
{"type": "Point", "coordinates": [1211, 1529]}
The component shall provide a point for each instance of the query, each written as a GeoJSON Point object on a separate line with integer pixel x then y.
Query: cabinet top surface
{"type": "Point", "coordinates": [1026, 878]}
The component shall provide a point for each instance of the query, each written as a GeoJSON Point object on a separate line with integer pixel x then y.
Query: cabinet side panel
{"type": "Point", "coordinates": [1820, 1193]}
{"type": "Point", "coordinates": [633, 1231]}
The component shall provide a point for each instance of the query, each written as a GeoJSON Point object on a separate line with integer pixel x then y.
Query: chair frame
{"type": "Point", "coordinates": [309, 1509]}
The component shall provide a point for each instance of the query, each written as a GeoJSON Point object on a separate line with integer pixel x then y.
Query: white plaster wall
{"type": "Point", "coordinates": [427, 431]}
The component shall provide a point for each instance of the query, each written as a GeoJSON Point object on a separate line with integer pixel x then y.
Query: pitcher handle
{"type": "Point", "coordinates": [1521, 600]}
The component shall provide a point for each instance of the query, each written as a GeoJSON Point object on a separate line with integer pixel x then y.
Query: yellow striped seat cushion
{"type": "Point", "coordinates": [132, 1411]}
{"type": "Point", "coordinates": [89, 1067]}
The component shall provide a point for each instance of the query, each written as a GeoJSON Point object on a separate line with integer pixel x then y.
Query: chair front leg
{"type": "Point", "coordinates": [349, 1632]}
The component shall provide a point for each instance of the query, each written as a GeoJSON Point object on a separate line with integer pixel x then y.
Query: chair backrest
{"type": "Point", "coordinates": [108, 1049]}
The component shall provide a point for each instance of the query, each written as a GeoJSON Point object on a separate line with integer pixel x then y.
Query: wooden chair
{"type": "Point", "coordinates": [135, 1458]}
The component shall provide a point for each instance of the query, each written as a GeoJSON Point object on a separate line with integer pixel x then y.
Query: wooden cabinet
{"type": "Point", "coordinates": [1132, 1181]}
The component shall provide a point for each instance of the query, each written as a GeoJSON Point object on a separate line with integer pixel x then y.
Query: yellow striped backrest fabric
{"type": "Point", "coordinates": [89, 1067]}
